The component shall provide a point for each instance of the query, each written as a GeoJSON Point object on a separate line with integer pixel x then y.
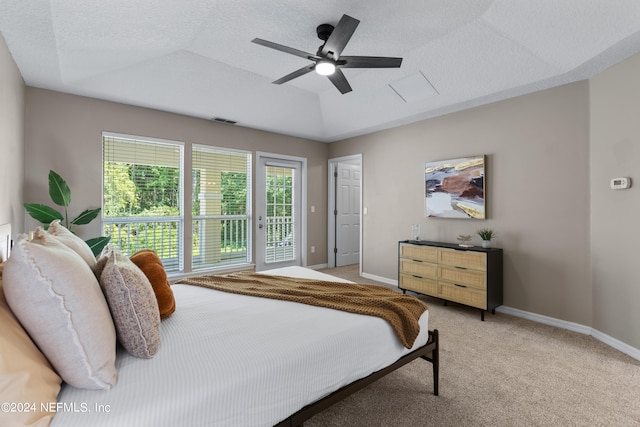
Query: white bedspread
{"type": "Point", "coordinates": [234, 360]}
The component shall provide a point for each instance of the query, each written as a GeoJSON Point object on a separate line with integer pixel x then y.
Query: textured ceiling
{"type": "Point", "coordinates": [195, 57]}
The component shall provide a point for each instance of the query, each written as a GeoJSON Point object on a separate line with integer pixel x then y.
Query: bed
{"type": "Point", "coordinates": [227, 359]}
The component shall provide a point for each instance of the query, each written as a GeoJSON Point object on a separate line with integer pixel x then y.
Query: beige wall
{"type": "Point", "coordinates": [63, 132]}
{"type": "Point", "coordinates": [537, 192]}
{"type": "Point", "coordinates": [615, 152]}
{"type": "Point", "coordinates": [11, 141]}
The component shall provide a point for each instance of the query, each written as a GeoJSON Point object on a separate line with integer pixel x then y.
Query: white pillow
{"type": "Point", "coordinates": [73, 242]}
{"type": "Point", "coordinates": [58, 300]}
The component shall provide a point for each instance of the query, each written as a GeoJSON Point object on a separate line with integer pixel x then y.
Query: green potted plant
{"type": "Point", "coordinates": [486, 234]}
{"type": "Point", "coordinates": [60, 194]}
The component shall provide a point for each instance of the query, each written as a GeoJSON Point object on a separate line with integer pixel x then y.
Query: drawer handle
{"type": "Point", "coordinates": [461, 268]}
{"type": "Point", "coordinates": [417, 260]}
{"type": "Point", "coordinates": [417, 277]}
{"type": "Point", "coordinates": [460, 286]}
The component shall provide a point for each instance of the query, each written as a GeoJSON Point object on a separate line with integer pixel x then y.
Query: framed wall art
{"type": "Point", "coordinates": [455, 188]}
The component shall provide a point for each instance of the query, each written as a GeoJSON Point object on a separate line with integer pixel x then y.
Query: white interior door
{"type": "Point", "coordinates": [279, 212]}
{"type": "Point", "coordinates": [345, 211]}
{"type": "Point", "coordinates": [348, 214]}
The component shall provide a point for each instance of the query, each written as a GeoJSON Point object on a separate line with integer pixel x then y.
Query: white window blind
{"type": "Point", "coordinates": [221, 205]}
{"type": "Point", "coordinates": [142, 197]}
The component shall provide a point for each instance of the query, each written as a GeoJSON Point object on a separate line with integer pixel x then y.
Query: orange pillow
{"type": "Point", "coordinates": [151, 265]}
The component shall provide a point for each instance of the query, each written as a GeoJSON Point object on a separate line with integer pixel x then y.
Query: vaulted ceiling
{"type": "Point", "coordinates": [195, 57]}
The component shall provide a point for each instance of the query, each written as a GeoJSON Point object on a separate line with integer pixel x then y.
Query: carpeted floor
{"type": "Point", "coordinates": [505, 371]}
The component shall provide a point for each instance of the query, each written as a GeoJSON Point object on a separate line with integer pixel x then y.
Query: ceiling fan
{"type": "Point", "coordinates": [328, 60]}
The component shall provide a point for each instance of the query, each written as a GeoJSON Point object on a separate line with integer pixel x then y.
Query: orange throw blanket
{"type": "Point", "coordinates": [401, 311]}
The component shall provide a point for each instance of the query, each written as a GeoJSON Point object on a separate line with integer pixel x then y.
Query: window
{"type": "Point", "coordinates": [144, 207]}
{"type": "Point", "coordinates": [279, 221]}
{"type": "Point", "coordinates": [221, 202]}
{"type": "Point", "coordinates": [142, 197]}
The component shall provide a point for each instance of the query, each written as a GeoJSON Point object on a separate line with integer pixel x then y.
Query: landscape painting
{"type": "Point", "coordinates": [455, 188]}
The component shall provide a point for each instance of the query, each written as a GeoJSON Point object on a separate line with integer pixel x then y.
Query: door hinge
{"type": "Point", "coordinates": [335, 250]}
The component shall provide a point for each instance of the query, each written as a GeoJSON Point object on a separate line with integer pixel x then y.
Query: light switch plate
{"type": "Point", "coordinates": [5, 241]}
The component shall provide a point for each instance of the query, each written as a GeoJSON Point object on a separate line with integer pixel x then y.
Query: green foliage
{"type": "Point", "coordinates": [131, 237]}
{"type": "Point", "coordinates": [155, 185]}
{"type": "Point", "coordinates": [279, 195]}
{"type": "Point", "coordinates": [120, 197]}
{"type": "Point", "coordinates": [486, 233]}
{"type": "Point", "coordinates": [43, 213]}
{"type": "Point", "coordinates": [60, 194]}
{"type": "Point", "coordinates": [234, 193]}
{"type": "Point", "coordinates": [59, 190]}
{"type": "Point", "coordinates": [138, 190]}
{"type": "Point", "coordinates": [86, 217]}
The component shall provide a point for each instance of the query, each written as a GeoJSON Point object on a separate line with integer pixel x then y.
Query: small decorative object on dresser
{"type": "Point", "coordinates": [469, 276]}
{"type": "Point", "coordinates": [464, 240]}
{"type": "Point", "coordinates": [486, 234]}
{"type": "Point", "coordinates": [415, 231]}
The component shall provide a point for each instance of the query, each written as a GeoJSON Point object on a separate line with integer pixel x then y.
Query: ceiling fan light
{"type": "Point", "coordinates": [325, 68]}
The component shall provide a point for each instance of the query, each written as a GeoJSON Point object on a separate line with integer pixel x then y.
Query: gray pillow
{"type": "Point", "coordinates": [133, 305]}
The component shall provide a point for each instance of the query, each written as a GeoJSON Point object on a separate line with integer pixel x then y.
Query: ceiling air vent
{"type": "Point", "coordinates": [223, 120]}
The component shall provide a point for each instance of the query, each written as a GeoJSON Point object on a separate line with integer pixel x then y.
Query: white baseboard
{"type": "Point", "coordinates": [617, 344]}
{"type": "Point", "coordinates": [379, 279]}
{"type": "Point", "coordinates": [576, 327]}
{"type": "Point", "coordinates": [317, 266]}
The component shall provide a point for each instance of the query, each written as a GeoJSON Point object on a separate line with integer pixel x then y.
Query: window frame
{"type": "Point", "coordinates": [185, 262]}
{"type": "Point", "coordinates": [248, 211]}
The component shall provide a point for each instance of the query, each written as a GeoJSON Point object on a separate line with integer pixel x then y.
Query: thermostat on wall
{"type": "Point", "coordinates": [620, 183]}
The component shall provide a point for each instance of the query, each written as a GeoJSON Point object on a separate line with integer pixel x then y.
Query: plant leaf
{"type": "Point", "coordinates": [97, 244]}
{"type": "Point", "coordinates": [42, 213]}
{"type": "Point", "coordinates": [86, 217]}
{"type": "Point", "coordinates": [59, 190]}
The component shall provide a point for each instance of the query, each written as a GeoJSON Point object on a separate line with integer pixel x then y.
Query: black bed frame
{"type": "Point", "coordinates": [428, 352]}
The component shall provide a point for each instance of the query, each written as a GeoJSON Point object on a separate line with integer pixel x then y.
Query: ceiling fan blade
{"type": "Point", "coordinates": [370, 62]}
{"type": "Point", "coordinates": [301, 72]}
{"type": "Point", "coordinates": [340, 36]}
{"type": "Point", "coordinates": [285, 49]}
{"type": "Point", "coordinates": [340, 81]}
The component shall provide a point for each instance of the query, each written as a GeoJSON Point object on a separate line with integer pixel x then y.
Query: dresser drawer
{"type": "Point", "coordinates": [463, 276]}
{"type": "Point", "coordinates": [417, 252]}
{"type": "Point", "coordinates": [468, 296]}
{"type": "Point", "coordinates": [424, 286]}
{"type": "Point", "coordinates": [418, 268]}
{"type": "Point", "coordinates": [467, 259]}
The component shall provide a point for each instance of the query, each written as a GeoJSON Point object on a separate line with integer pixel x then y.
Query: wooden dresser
{"type": "Point", "coordinates": [469, 276]}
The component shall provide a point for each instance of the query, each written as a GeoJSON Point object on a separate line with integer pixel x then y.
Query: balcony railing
{"type": "Point", "coordinates": [218, 240]}
{"type": "Point", "coordinates": [164, 235]}
{"type": "Point", "coordinates": [280, 239]}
